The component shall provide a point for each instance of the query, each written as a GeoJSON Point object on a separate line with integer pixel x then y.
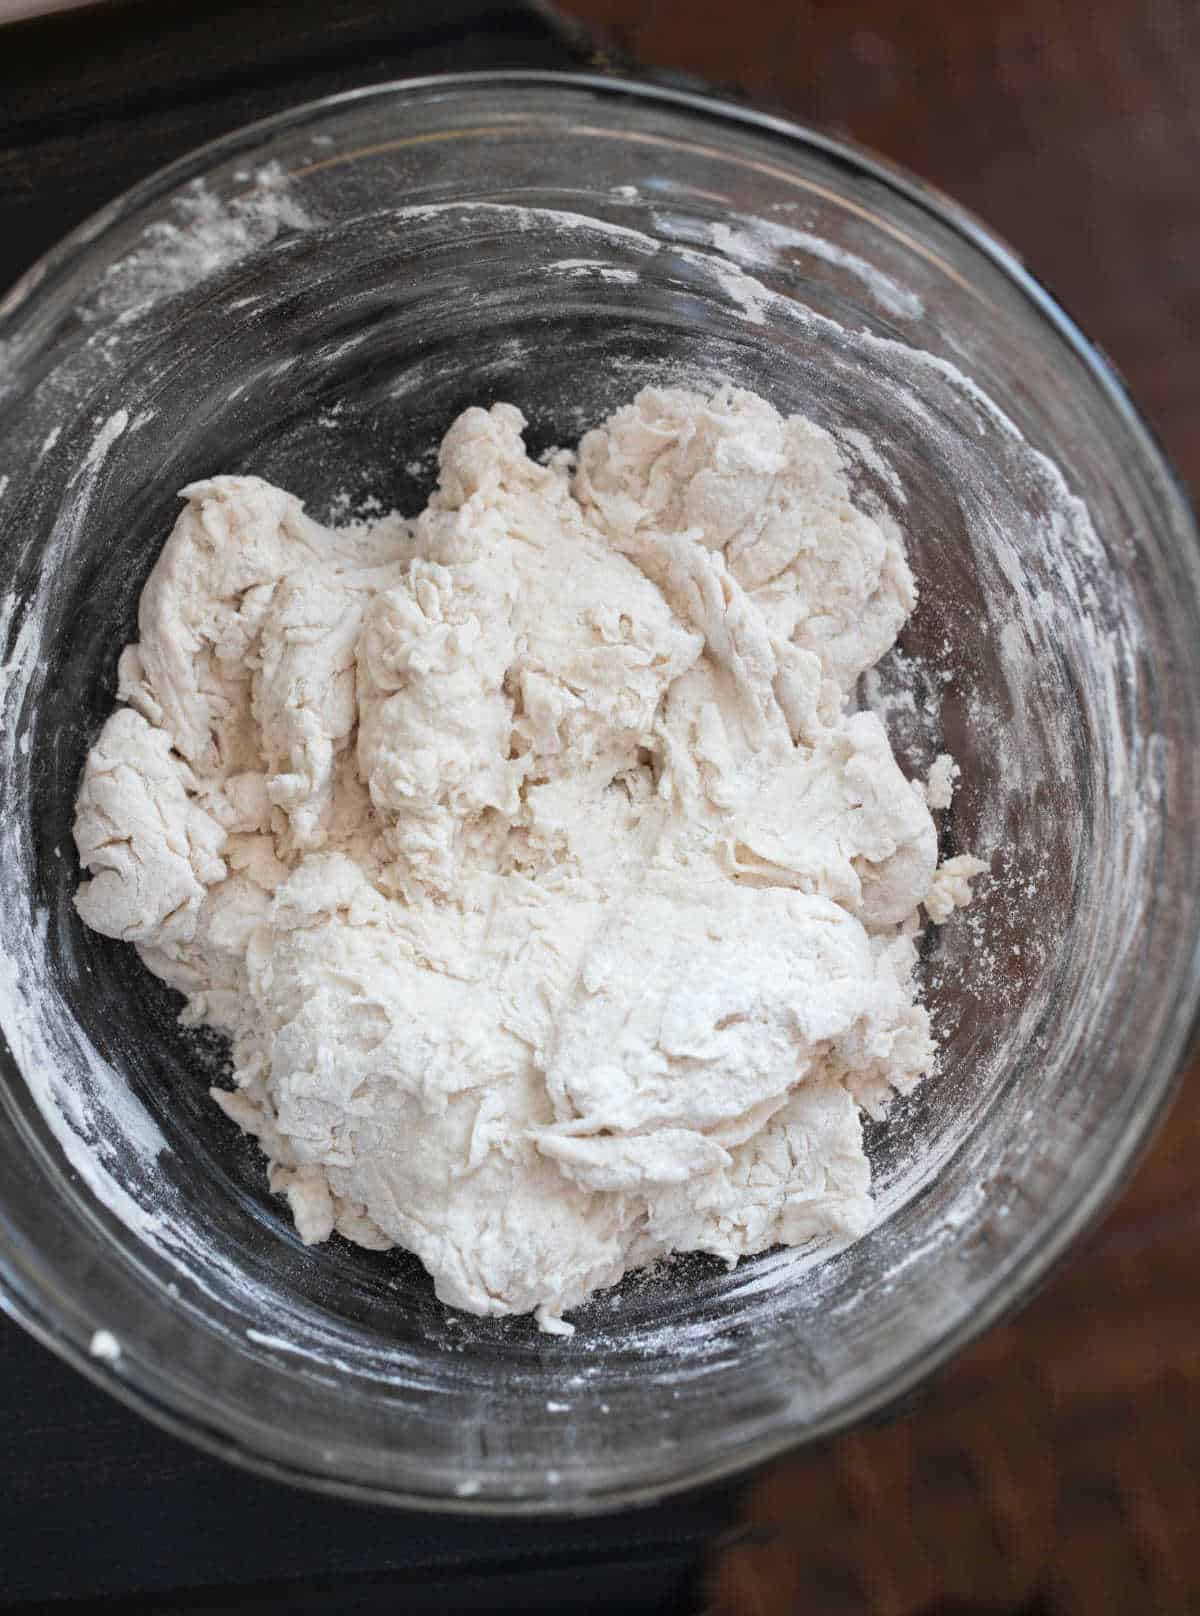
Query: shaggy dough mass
{"type": "Point", "coordinates": [559, 912]}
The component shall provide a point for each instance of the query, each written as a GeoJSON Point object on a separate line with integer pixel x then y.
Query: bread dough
{"type": "Point", "coordinates": [559, 912]}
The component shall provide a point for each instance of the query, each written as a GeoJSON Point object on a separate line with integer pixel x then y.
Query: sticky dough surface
{"type": "Point", "coordinates": [558, 909]}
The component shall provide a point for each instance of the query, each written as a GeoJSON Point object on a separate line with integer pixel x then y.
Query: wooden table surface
{"type": "Point", "coordinates": [1055, 1467]}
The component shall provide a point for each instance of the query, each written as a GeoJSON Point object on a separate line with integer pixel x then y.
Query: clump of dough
{"type": "Point", "coordinates": [558, 911]}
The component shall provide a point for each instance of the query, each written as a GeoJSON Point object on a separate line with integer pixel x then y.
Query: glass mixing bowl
{"type": "Point", "coordinates": [314, 299]}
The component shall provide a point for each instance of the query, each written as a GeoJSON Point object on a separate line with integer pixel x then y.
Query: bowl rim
{"type": "Point", "coordinates": [29, 1301]}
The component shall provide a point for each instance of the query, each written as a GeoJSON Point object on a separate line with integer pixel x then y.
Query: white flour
{"type": "Point", "coordinates": [207, 234]}
{"type": "Point", "coordinates": [560, 915]}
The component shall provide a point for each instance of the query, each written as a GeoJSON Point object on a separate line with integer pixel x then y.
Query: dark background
{"type": "Point", "coordinates": [1054, 1469]}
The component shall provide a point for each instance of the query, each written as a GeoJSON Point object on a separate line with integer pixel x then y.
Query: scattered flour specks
{"type": "Point", "coordinates": [105, 1345]}
{"type": "Point", "coordinates": [759, 242]}
{"type": "Point", "coordinates": [103, 441]}
{"type": "Point", "coordinates": [207, 235]}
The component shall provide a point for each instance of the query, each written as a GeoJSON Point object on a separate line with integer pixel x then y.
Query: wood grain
{"type": "Point", "coordinates": [1055, 1467]}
